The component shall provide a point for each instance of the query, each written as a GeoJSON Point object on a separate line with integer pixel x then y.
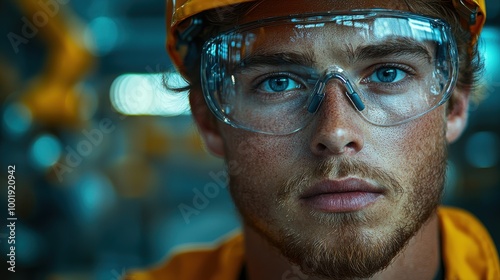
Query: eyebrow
{"type": "Point", "coordinates": [391, 47]}
{"type": "Point", "coordinates": [276, 59]}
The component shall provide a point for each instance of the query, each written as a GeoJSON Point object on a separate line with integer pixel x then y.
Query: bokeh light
{"type": "Point", "coordinates": [101, 36]}
{"type": "Point", "coordinates": [482, 150]}
{"type": "Point", "coordinates": [17, 119]}
{"type": "Point", "coordinates": [92, 196]}
{"type": "Point", "coordinates": [45, 151]}
{"type": "Point", "coordinates": [144, 94]}
{"type": "Point", "coordinates": [490, 39]}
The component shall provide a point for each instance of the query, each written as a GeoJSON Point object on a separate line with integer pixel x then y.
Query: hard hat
{"type": "Point", "coordinates": [472, 13]}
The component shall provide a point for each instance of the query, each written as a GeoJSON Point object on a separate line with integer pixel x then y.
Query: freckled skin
{"type": "Point", "coordinates": [403, 151]}
{"type": "Point", "coordinates": [413, 154]}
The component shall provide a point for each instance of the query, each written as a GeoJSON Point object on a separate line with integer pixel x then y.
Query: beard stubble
{"type": "Point", "coordinates": [342, 251]}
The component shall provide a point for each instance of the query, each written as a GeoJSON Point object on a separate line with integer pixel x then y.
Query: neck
{"type": "Point", "coordinates": [418, 260]}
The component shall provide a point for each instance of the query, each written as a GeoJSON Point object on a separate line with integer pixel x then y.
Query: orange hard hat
{"type": "Point", "coordinates": [472, 13]}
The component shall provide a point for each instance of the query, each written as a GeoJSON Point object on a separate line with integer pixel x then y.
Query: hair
{"type": "Point", "coordinates": [471, 66]}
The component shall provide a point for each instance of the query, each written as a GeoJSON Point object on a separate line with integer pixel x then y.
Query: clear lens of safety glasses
{"type": "Point", "coordinates": [273, 75]}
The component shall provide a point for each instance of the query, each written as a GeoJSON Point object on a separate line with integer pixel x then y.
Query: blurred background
{"type": "Point", "coordinates": [110, 175]}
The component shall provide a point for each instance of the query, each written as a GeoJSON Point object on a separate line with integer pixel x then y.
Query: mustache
{"type": "Point", "coordinates": [339, 168]}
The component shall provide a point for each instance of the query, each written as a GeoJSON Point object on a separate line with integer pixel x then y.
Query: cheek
{"type": "Point", "coordinates": [409, 145]}
{"type": "Point", "coordinates": [261, 161]}
{"type": "Point", "coordinates": [258, 165]}
{"type": "Point", "coordinates": [258, 155]}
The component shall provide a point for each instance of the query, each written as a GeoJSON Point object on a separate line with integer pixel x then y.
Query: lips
{"type": "Point", "coordinates": [347, 195]}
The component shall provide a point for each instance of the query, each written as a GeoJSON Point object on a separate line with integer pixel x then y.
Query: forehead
{"type": "Point", "coordinates": [316, 41]}
{"type": "Point", "coordinates": [272, 8]}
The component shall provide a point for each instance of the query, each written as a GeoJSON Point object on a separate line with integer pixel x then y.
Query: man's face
{"type": "Point", "coordinates": [341, 197]}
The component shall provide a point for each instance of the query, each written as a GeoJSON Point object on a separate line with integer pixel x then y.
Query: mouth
{"type": "Point", "coordinates": [336, 196]}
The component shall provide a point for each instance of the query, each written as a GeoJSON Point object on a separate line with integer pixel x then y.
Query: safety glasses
{"type": "Point", "coordinates": [273, 75]}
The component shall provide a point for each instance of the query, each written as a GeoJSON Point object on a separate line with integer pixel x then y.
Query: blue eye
{"type": "Point", "coordinates": [387, 75]}
{"type": "Point", "coordinates": [279, 84]}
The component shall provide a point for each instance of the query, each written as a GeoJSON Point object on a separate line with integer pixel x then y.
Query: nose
{"type": "Point", "coordinates": [338, 129]}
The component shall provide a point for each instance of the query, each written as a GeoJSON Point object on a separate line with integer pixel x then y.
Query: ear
{"type": "Point", "coordinates": [457, 114]}
{"type": "Point", "coordinates": [206, 123]}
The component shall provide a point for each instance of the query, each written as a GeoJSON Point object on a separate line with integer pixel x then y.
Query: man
{"type": "Point", "coordinates": [333, 118]}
